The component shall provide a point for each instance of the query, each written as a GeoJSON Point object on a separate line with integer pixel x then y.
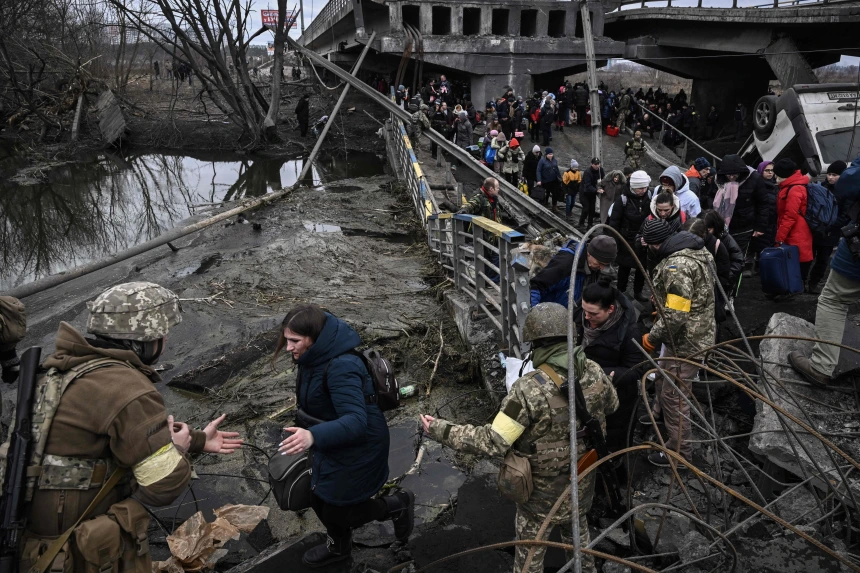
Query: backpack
{"type": "Point", "coordinates": [821, 208]}
{"type": "Point", "coordinates": [386, 386]}
{"type": "Point", "coordinates": [490, 155]}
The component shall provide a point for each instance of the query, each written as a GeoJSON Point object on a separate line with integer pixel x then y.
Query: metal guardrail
{"type": "Point", "coordinates": [324, 20]}
{"type": "Point", "coordinates": [506, 301]}
{"type": "Point", "coordinates": [403, 159]}
{"type": "Point", "coordinates": [472, 256]}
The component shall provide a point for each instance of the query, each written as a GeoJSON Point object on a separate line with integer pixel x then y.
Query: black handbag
{"type": "Point", "coordinates": [290, 478]}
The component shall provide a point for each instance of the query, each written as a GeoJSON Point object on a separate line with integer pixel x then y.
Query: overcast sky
{"type": "Point", "coordinates": [312, 8]}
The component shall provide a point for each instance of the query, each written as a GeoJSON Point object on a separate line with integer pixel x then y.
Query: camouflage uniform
{"type": "Point", "coordinates": [13, 327]}
{"type": "Point", "coordinates": [634, 150]}
{"type": "Point", "coordinates": [80, 445]}
{"type": "Point", "coordinates": [683, 281]}
{"type": "Point", "coordinates": [534, 421]}
{"type": "Point", "coordinates": [623, 111]}
{"type": "Point", "coordinates": [481, 205]}
{"type": "Point", "coordinates": [418, 121]}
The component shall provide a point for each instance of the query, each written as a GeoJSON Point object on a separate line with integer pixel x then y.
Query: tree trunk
{"type": "Point", "coordinates": [270, 123]}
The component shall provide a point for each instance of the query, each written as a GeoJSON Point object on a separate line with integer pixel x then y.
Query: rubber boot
{"type": "Point", "coordinates": [401, 510]}
{"type": "Point", "coordinates": [332, 551]}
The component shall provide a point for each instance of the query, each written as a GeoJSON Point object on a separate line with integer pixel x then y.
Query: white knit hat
{"type": "Point", "coordinates": [639, 179]}
{"type": "Point", "coordinates": [536, 149]}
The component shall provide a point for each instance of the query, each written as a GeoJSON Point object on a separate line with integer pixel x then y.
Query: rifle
{"type": "Point", "coordinates": [11, 505]}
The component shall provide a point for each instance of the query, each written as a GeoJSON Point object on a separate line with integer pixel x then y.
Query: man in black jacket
{"type": "Point", "coordinates": [606, 324]}
{"type": "Point", "coordinates": [588, 191]}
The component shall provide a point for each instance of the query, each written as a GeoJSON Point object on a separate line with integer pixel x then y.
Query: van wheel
{"type": "Point", "coordinates": [764, 116]}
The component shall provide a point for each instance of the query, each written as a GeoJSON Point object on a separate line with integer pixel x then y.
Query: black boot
{"type": "Point", "coordinates": [332, 551]}
{"type": "Point", "coordinates": [401, 510]}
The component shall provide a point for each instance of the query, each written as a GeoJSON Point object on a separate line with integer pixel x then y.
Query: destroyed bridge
{"type": "Point", "coordinates": [529, 45]}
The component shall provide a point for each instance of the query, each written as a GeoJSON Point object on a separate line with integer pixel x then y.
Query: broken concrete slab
{"type": "Point", "coordinates": [112, 124]}
{"type": "Point", "coordinates": [770, 439]}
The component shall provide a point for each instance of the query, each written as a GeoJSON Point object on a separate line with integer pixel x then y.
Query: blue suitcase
{"type": "Point", "coordinates": [780, 270]}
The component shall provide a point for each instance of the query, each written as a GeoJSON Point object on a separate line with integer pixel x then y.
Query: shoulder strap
{"type": "Point", "coordinates": [48, 556]}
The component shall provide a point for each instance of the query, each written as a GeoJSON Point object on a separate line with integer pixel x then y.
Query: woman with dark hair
{"type": "Point", "coordinates": [606, 328]}
{"type": "Point", "coordinates": [349, 435]}
{"type": "Point", "coordinates": [716, 226]}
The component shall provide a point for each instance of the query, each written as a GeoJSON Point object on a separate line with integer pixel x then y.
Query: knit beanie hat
{"type": "Point", "coordinates": [574, 164]}
{"type": "Point", "coordinates": [656, 231]}
{"type": "Point", "coordinates": [514, 143]}
{"type": "Point", "coordinates": [501, 136]}
{"type": "Point", "coordinates": [837, 167]}
{"type": "Point", "coordinates": [639, 179]}
{"type": "Point", "coordinates": [701, 163]}
{"type": "Point", "coordinates": [494, 132]}
{"type": "Point", "coordinates": [784, 167]}
{"type": "Point", "coordinates": [547, 151]}
{"type": "Point", "coordinates": [536, 149]}
{"type": "Point", "coordinates": [603, 248]}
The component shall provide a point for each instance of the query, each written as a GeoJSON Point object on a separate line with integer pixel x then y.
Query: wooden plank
{"type": "Point", "coordinates": [112, 124]}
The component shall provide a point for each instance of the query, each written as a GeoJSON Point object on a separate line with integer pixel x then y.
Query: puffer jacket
{"type": "Point", "coordinates": [462, 133]}
{"type": "Point", "coordinates": [628, 214]}
{"type": "Point", "coordinates": [547, 170]}
{"type": "Point", "coordinates": [684, 286]}
{"type": "Point", "coordinates": [791, 227]}
{"type": "Point", "coordinates": [351, 445]}
{"type": "Point", "coordinates": [552, 283]}
{"type": "Point", "coordinates": [512, 158]}
{"type": "Point", "coordinates": [753, 206]}
{"type": "Point", "coordinates": [688, 200]}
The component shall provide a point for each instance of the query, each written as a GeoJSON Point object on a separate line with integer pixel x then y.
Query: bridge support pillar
{"type": "Point", "coordinates": [485, 88]}
{"type": "Point", "coordinates": [789, 65]}
{"type": "Point", "coordinates": [426, 19]}
{"type": "Point", "coordinates": [725, 93]}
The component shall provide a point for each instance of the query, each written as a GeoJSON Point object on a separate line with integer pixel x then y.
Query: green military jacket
{"type": "Point", "coordinates": [684, 286]}
{"type": "Point", "coordinates": [635, 149]}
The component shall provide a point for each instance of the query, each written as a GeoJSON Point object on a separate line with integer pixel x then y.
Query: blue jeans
{"type": "Point", "coordinates": [569, 201]}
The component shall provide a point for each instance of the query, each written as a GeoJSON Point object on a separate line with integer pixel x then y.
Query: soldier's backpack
{"type": "Point", "coordinates": [386, 387]}
{"type": "Point", "coordinates": [821, 208]}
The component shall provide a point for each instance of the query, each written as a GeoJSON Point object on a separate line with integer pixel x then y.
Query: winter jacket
{"type": "Point", "coordinates": [547, 170]}
{"type": "Point", "coordinates": [628, 214]}
{"type": "Point", "coordinates": [722, 260]}
{"type": "Point", "coordinates": [771, 191]}
{"type": "Point", "coordinates": [113, 413]}
{"type": "Point", "coordinates": [611, 190]}
{"type": "Point", "coordinates": [552, 283]}
{"type": "Point", "coordinates": [614, 350]}
{"type": "Point", "coordinates": [752, 209]}
{"type": "Point", "coordinates": [512, 158]}
{"type": "Point", "coordinates": [791, 227]}
{"type": "Point", "coordinates": [462, 133]}
{"type": "Point", "coordinates": [571, 181]}
{"type": "Point", "coordinates": [580, 96]}
{"type": "Point", "coordinates": [737, 257]}
{"type": "Point", "coordinates": [530, 165]}
{"type": "Point", "coordinates": [684, 285]}
{"type": "Point", "coordinates": [677, 217]}
{"type": "Point", "coordinates": [847, 194]}
{"type": "Point", "coordinates": [351, 445]}
{"type": "Point", "coordinates": [590, 177]}
{"type": "Point", "coordinates": [500, 159]}
{"type": "Point", "coordinates": [694, 181]}
{"type": "Point", "coordinates": [689, 202]}
{"type": "Point", "coordinates": [302, 110]}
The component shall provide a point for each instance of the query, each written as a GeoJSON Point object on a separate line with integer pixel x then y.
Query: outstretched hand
{"type": "Point", "coordinates": [218, 442]}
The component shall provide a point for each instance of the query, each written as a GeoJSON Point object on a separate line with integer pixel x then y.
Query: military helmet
{"type": "Point", "coordinates": [545, 320]}
{"type": "Point", "coordinates": [134, 311]}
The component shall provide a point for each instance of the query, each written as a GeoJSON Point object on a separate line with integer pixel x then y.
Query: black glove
{"type": "Point", "coordinates": [10, 364]}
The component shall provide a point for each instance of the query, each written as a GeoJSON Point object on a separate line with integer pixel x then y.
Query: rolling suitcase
{"type": "Point", "coordinates": [780, 270]}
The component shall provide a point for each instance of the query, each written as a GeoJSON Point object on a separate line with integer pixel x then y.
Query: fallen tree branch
{"type": "Point", "coordinates": [436, 364]}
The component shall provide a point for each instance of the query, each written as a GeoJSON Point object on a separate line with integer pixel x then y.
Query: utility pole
{"type": "Point", "coordinates": [301, 14]}
{"type": "Point", "coordinates": [584, 13]}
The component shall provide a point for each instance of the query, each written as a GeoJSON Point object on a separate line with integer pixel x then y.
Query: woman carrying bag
{"type": "Point", "coordinates": [348, 435]}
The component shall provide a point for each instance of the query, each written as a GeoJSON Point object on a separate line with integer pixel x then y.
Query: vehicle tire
{"type": "Point", "coordinates": [764, 116]}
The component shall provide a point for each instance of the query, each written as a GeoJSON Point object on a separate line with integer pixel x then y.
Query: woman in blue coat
{"type": "Point", "coordinates": [350, 442]}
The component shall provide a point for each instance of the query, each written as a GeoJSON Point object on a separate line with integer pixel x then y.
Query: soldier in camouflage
{"type": "Point", "coordinates": [634, 150]}
{"type": "Point", "coordinates": [624, 109]}
{"type": "Point", "coordinates": [684, 288]}
{"type": "Point", "coordinates": [96, 411]}
{"type": "Point", "coordinates": [13, 327]}
{"type": "Point", "coordinates": [486, 202]}
{"type": "Point", "coordinates": [534, 422]}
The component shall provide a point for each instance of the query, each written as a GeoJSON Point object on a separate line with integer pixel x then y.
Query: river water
{"type": "Point", "coordinates": [62, 215]}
